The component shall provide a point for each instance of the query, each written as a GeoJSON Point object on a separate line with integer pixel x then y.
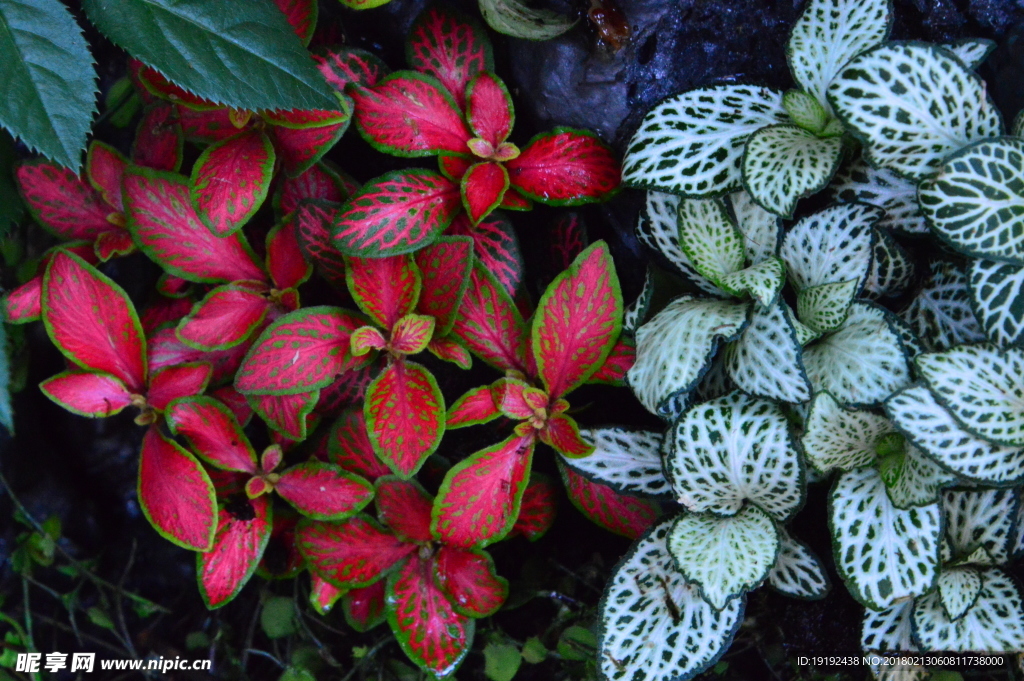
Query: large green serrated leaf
{"type": "Point", "coordinates": [982, 387]}
{"type": "Point", "coordinates": [785, 163]}
{"type": "Point", "coordinates": [830, 246]}
{"type": "Point", "coordinates": [731, 450]}
{"type": "Point", "coordinates": [997, 298]}
{"type": "Point", "coordinates": [49, 81]}
{"type": "Point", "coordinates": [892, 270]}
{"type": "Point", "coordinates": [971, 51]}
{"type": "Point", "coordinates": [709, 238]}
{"type": "Point", "coordinates": [655, 626]}
{"type": "Point", "coordinates": [674, 348]}
{"type": "Point", "coordinates": [862, 362]}
{"type": "Point", "coordinates": [940, 314]}
{"type": "Point", "coordinates": [658, 229]}
{"type": "Point", "coordinates": [883, 553]}
{"type": "Point", "coordinates": [692, 143]}
{"type": "Point", "coordinates": [763, 282]}
{"type": "Point", "coordinates": [930, 427]}
{"type": "Point", "coordinates": [887, 631]}
{"type": "Point", "coordinates": [897, 196]}
{"type": "Point", "coordinates": [980, 519]}
{"type": "Point", "coordinates": [918, 481]}
{"type": "Point", "coordinates": [761, 230]}
{"type": "Point", "coordinates": [839, 438]}
{"type": "Point", "coordinates": [995, 623]}
{"type": "Point", "coordinates": [244, 55]}
{"type": "Point", "coordinates": [797, 571]}
{"type": "Point", "coordinates": [829, 34]}
{"type": "Point", "coordinates": [766, 360]}
{"type": "Point", "coordinates": [958, 590]}
{"type": "Point", "coordinates": [628, 461]}
{"type": "Point", "coordinates": [976, 200]}
{"type": "Point", "coordinates": [912, 105]}
{"type": "Point", "coordinates": [824, 307]}
{"type": "Point", "coordinates": [724, 557]}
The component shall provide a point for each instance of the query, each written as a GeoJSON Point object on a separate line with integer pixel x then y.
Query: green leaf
{"type": "Point", "coordinates": [805, 111]}
{"type": "Point", "coordinates": [766, 360]}
{"type": "Point", "coordinates": [278, 617]}
{"type": "Point", "coordinates": [839, 438]}
{"type": "Point", "coordinates": [242, 55]}
{"type": "Point", "coordinates": [577, 643]}
{"type": "Point", "coordinates": [534, 651]}
{"type": "Point", "coordinates": [501, 661]}
{"type": "Point", "coordinates": [785, 163]}
{"type": "Point", "coordinates": [862, 182]}
{"type": "Point", "coordinates": [628, 461]}
{"type": "Point", "coordinates": [49, 82]}
{"type": "Point", "coordinates": [959, 589]}
{"type": "Point", "coordinates": [797, 571]}
{"type": "Point", "coordinates": [995, 623]}
{"type": "Point", "coordinates": [912, 104]}
{"type": "Point", "coordinates": [520, 20]}
{"type": "Point", "coordinates": [824, 307]}
{"type": "Point", "coordinates": [940, 313]}
{"type": "Point", "coordinates": [724, 556]}
{"type": "Point", "coordinates": [692, 143]}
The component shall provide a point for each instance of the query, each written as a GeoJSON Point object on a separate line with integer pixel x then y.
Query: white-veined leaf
{"type": "Point", "coordinates": [655, 626]}
{"type": "Point", "coordinates": [997, 298]}
{"type": "Point", "coordinates": [636, 312]}
{"type": "Point", "coordinates": [982, 387]}
{"type": "Point", "coordinates": [724, 556]}
{"type": "Point", "coordinates": [840, 438]}
{"type": "Point", "coordinates": [940, 314]}
{"type": "Point", "coordinates": [883, 553]}
{"type": "Point", "coordinates": [1017, 129]}
{"type": "Point", "coordinates": [916, 413]}
{"type": "Point", "coordinates": [785, 163]}
{"type": "Point", "coordinates": [806, 111]}
{"type": "Point", "coordinates": [658, 229]}
{"type": "Point", "coordinates": [995, 623]}
{"type": "Point", "coordinates": [763, 282]}
{"type": "Point", "coordinates": [881, 187]}
{"type": "Point", "coordinates": [709, 238]}
{"type": "Point", "coordinates": [918, 481]}
{"type": "Point", "coordinates": [912, 346]}
{"type": "Point", "coordinates": [831, 245]}
{"type": "Point", "coordinates": [734, 449]}
{"type": "Point", "coordinates": [761, 230]}
{"type": "Point", "coordinates": [976, 200]}
{"type": "Point", "coordinates": [862, 362]}
{"type": "Point", "coordinates": [628, 461]}
{"type": "Point", "coordinates": [824, 307]}
{"type": "Point", "coordinates": [892, 270]}
{"type": "Point", "coordinates": [958, 588]}
{"type": "Point", "coordinates": [980, 518]}
{"type": "Point", "coordinates": [912, 105]}
{"type": "Point", "coordinates": [674, 348]}
{"type": "Point", "coordinates": [1017, 540]}
{"type": "Point", "coordinates": [829, 34]}
{"type": "Point", "coordinates": [971, 51]}
{"type": "Point", "coordinates": [716, 382]}
{"type": "Point", "coordinates": [797, 571]}
{"type": "Point", "coordinates": [692, 143]}
{"type": "Point", "coordinates": [804, 333]}
{"type": "Point", "coordinates": [888, 630]}
{"type": "Point", "coordinates": [766, 360]}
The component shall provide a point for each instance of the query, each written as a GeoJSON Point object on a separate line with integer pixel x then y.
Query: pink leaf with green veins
{"type": "Point", "coordinates": [490, 324]}
{"type": "Point", "coordinates": [323, 491]}
{"type": "Point", "coordinates": [495, 246]}
{"type": "Point", "coordinates": [175, 493]}
{"type": "Point", "coordinates": [450, 350]}
{"type": "Point", "coordinates": [619, 361]}
{"type": "Point", "coordinates": [565, 168]}
{"type": "Point", "coordinates": [350, 446]}
{"type": "Point", "coordinates": [224, 318]}
{"type": "Point", "coordinates": [409, 114]}
{"type": "Point", "coordinates": [164, 312]}
{"type": "Point", "coordinates": [24, 304]}
{"type": "Point", "coordinates": [386, 289]}
{"type": "Point", "coordinates": [396, 213]}
{"type": "Point", "coordinates": [449, 46]}
{"type": "Point", "coordinates": [212, 432]}
{"type": "Point", "coordinates": [95, 395]}
{"type": "Point", "coordinates": [91, 320]}
{"type": "Point", "coordinates": [411, 334]}
{"type": "Point", "coordinates": [404, 506]}
{"type": "Point", "coordinates": [286, 414]}
{"type": "Point", "coordinates": [166, 350]}
{"type": "Point", "coordinates": [301, 15]}
{"type": "Point", "coordinates": [61, 202]}
{"type": "Point", "coordinates": [364, 608]}
{"type": "Point", "coordinates": [313, 222]}
{"type": "Point", "coordinates": [113, 243]}
{"type": "Point", "coordinates": [322, 594]}
{"type": "Point", "coordinates": [626, 515]}
{"type": "Point", "coordinates": [479, 499]}
{"type": "Point", "coordinates": [538, 509]}
{"type": "Point", "coordinates": [302, 351]}
{"type": "Point", "coordinates": [319, 182]}
{"type": "Point", "coordinates": [563, 435]}
{"type": "Point", "coordinates": [470, 580]}
{"type": "Point", "coordinates": [206, 126]}
{"type": "Point", "coordinates": [516, 399]}
{"type": "Point", "coordinates": [158, 139]}
{"type": "Point", "coordinates": [482, 187]}
{"type": "Point", "coordinates": [299, 148]}
{"type": "Point", "coordinates": [161, 217]}
{"type": "Point", "coordinates": [424, 621]}
{"type": "Point", "coordinates": [171, 383]}
{"type": "Point", "coordinates": [230, 181]}
{"type": "Point", "coordinates": [104, 166]}
{"type": "Point", "coordinates": [235, 401]}
{"type": "Point", "coordinates": [578, 321]}
{"type": "Point", "coordinates": [489, 109]}
{"type": "Point", "coordinates": [366, 339]}
{"type": "Point", "coordinates": [343, 65]}
{"type": "Point", "coordinates": [243, 532]}
{"type": "Point", "coordinates": [475, 407]}
{"type": "Point", "coordinates": [285, 262]}
{"type": "Point", "coordinates": [404, 412]}
{"type": "Point", "coordinates": [350, 553]}
{"type": "Point", "coordinates": [445, 266]}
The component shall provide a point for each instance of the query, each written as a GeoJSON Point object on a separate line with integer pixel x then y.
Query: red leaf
{"type": "Point", "coordinates": [454, 166]}
{"type": "Point", "coordinates": [235, 401]}
{"type": "Point", "coordinates": [61, 202]}
{"type": "Point", "coordinates": [302, 351]}
{"type": "Point", "coordinates": [565, 168]}
{"type": "Point", "coordinates": [450, 47]}
{"type": "Point", "coordinates": [92, 321]}
{"type": "Point", "coordinates": [450, 350]}
{"type": "Point", "coordinates": [104, 166]}
{"type": "Point", "coordinates": [158, 85]}
{"type": "Point", "coordinates": [172, 286]}
{"type": "Point", "coordinates": [404, 413]}
{"type": "Point", "coordinates": [158, 139]}
{"type": "Point", "coordinates": [184, 380]}
{"type": "Point", "coordinates": [428, 628]}
{"type": "Point", "coordinates": [562, 434]}
{"type": "Point", "coordinates": [312, 223]}
{"type": "Point", "coordinates": [175, 493]}
{"type": "Point", "coordinates": [161, 217]}
{"type": "Point", "coordinates": [404, 506]}
{"type": "Point", "coordinates": [343, 65]}
{"type": "Point", "coordinates": [230, 181]}
{"type": "Point", "coordinates": [166, 350]}
{"type": "Point", "coordinates": [618, 513]}
{"type": "Point", "coordinates": [162, 311]}
{"type": "Point", "coordinates": [299, 148]}
{"type": "Point", "coordinates": [238, 546]}
{"type": "Point", "coordinates": [112, 243]}
{"type": "Point", "coordinates": [569, 238]}
{"type": "Point", "coordinates": [517, 400]}
{"type": "Point", "coordinates": [396, 213]}
{"type": "Point", "coordinates": [304, 119]}
{"type": "Point", "coordinates": [475, 407]}
{"type": "Point", "coordinates": [301, 15]}
{"type": "Point", "coordinates": [323, 491]}
{"type": "Point", "coordinates": [479, 499]}
{"type": "Point", "coordinates": [411, 334]}
{"type": "Point", "coordinates": [620, 360]}
{"type": "Point", "coordinates": [319, 182]}
{"type": "Point", "coordinates": [322, 594]}
{"type": "Point", "coordinates": [513, 200]}
{"type": "Point", "coordinates": [224, 318]}
{"type": "Point", "coordinates": [409, 114]}
{"type": "Point", "coordinates": [386, 289]}
{"type": "Point", "coordinates": [213, 433]}
{"type": "Point", "coordinates": [350, 446]}
{"type": "Point", "coordinates": [287, 414]}
{"type": "Point", "coordinates": [482, 187]}
{"type": "Point", "coordinates": [24, 304]}
{"type": "Point", "coordinates": [285, 262]}
{"type": "Point", "coordinates": [495, 246]}
{"type": "Point", "coordinates": [470, 580]}
{"type": "Point", "coordinates": [350, 553]}
{"type": "Point", "coordinates": [347, 391]}
{"type": "Point", "coordinates": [538, 510]}
{"type": "Point", "coordinates": [577, 322]}
{"type": "Point", "coordinates": [95, 395]}
{"type": "Point", "coordinates": [364, 608]}
{"type": "Point", "coordinates": [490, 324]}
{"type": "Point", "coordinates": [206, 126]}
{"type": "Point", "coordinates": [489, 109]}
